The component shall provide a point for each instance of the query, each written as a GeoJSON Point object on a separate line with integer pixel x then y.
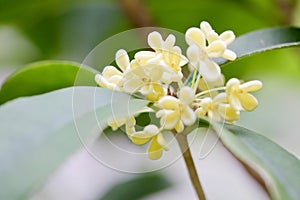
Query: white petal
{"type": "Point", "coordinates": [193, 53]}
{"type": "Point", "coordinates": [229, 55]}
{"type": "Point", "coordinates": [144, 56]}
{"type": "Point", "coordinates": [151, 129]}
{"type": "Point", "coordinates": [168, 102]}
{"type": "Point", "coordinates": [186, 95]}
{"type": "Point", "coordinates": [194, 36]}
{"type": "Point", "coordinates": [219, 98]}
{"type": "Point", "coordinates": [155, 150]}
{"type": "Point", "coordinates": [210, 34]}
{"type": "Point", "coordinates": [109, 71]}
{"type": "Point", "coordinates": [188, 116]}
{"type": "Point", "coordinates": [132, 85]}
{"type": "Point", "coordinates": [251, 86]}
{"type": "Point", "coordinates": [216, 49]}
{"type": "Point", "coordinates": [170, 119]}
{"type": "Point", "coordinates": [227, 37]}
{"type": "Point", "coordinates": [205, 27]}
{"type": "Point", "coordinates": [122, 59]}
{"type": "Point", "coordinates": [235, 103]}
{"type": "Point", "coordinates": [161, 141]}
{"type": "Point", "coordinates": [233, 82]}
{"type": "Point", "coordinates": [248, 101]}
{"type": "Point", "coordinates": [209, 70]}
{"type": "Point", "coordinates": [169, 42]}
{"type": "Point", "coordinates": [167, 78]}
{"type": "Point", "coordinates": [155, 40]}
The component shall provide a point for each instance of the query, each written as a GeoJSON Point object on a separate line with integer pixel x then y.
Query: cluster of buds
{"type": "Point", "coordinates": [158, 76]}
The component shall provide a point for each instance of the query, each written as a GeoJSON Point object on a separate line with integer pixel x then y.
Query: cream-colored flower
{"type": "Point", "coordinates": [227, 37]}
{"type": "Point", "coordinates": [145, 79]}
{"type": "Point", "coordinates": [217, 109]}
{"type": "Point", "coordinates": [165, 54]}
{"type": "Point", "coordinates": [205, 44]}
{"type": "Point", "coordinates": [111, 76]}
{"type": "Point", "coordinates": [209, 70]}
{"type": "Point", "coordinates": [176, 112]}
{"type": "Point", "coordinates": [238, 94]}
{"type": "Point", "coordinates": [158, 143]}
{"type": "Point", "coordinates": [129, 123]}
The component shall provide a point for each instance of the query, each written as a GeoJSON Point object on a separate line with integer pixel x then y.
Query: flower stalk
{"type": "Point", "coordinates": [185, 150]}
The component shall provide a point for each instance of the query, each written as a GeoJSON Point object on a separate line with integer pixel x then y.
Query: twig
{"type": "Point", "coordinates": [184, 147]}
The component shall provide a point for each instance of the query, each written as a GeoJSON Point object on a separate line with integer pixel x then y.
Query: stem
{"type": "Point", "coordinates": [184, 147]}
{"type": "Point", "coordinates": [209, 91]}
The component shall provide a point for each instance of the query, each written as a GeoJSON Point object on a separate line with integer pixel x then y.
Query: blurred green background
{"type": "Point", "coordinates": [33, 30]}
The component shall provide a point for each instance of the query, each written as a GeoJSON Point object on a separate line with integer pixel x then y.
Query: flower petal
{"type": "Point", "coordinates": [168, 102]}
{"type": "Point", "coordinates": [188, 116]}
{"type": "Point", "coordinates": [227, 37]}
{"type": "Point", "coordinates": [140, 138]}
{"type": "Point", "coordinates": [194, 36]}
{"type": "Point", "coordinates": [179, 127]}
{"type": "Point", "coordinates": [143, 56]}
{"type": "Point", "coordinates": [193, 53]}
{"type": "Point", "coordinates": [169, 42]}
{"type": "Point", "coordinates": [161, 141]}
{"type": "Point", "coordinates": [252, 86]}
{"type": "Point", "coordinates": [248, 101]}
{"type": "Point", "coordinates": [154, 150]}
{"type": "Point", "coordinates": [210, 70]}
{"type": "Point", "coordinates": [235, 103]}
{"type": "Point", "coordinates": [169, 118]}
{"type": "Point", "coordinates": [109, 71]}
{"type": "Point", "coordinates": [155, 40]}
{"type": "Point", "coordinates": [228, 113]}
{"type": "Point", "coordinates": [122, 59]}
{"type": "Point", "coordinates": [186, 95]}
{"type": "Point", "coordinates": [132, 85]}
{"type": "Point", "coordinates": [216, 49]}
{"type": "Point", "coordinates": [210, 34]}
{"type": "Point", "coordinates": [229, 55]}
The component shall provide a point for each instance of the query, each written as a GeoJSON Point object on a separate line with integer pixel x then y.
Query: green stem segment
{"type": "Point", "coordinates": [184, 147]}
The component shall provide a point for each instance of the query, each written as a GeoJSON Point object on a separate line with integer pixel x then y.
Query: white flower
{"type": "Point", "coordinates": [165, 54]}
{"type": "Point", "coordinates": [111, 76]}
{"type": "Point", "coordinates": [227, 37]}
{"type": "Point", "coordinates": [217, 109]}
{"type": "Point", "coordinates": [205, 44]}
{"type": "Point", "coordinates": [145, 79]}
{"type": "Point", "coordinates": [158, 143]}
{"type": "Point", "coordinates": [129, 123]}
{"type": "Point", "coordinates": [238, 94]}
{"type": "Point", "coordinates": [176, 112]}
{"type": "Point", "coordinates": [209, 70]}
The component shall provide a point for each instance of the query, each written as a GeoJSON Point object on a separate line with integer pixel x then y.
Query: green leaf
{"type": "Point", "coordinates": [37, 134]}
{"type": "Point", "coordinates": [279, 169]}
{"type": "Point", "coordinates": [264, 40]}
{"type": "Point", "coordinates": [45, 76]}
{"type": "Point", "coordinates": [137, 188]}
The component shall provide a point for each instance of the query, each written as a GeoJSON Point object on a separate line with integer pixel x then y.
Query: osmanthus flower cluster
{"type": "Point", "coordinates": [178, 101]}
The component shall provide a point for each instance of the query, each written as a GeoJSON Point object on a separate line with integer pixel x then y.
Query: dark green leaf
{"type": "Point", "coordinates": [279, 169]}
{"type": "Point", "coordinates": [264, 40]}
{"type": "Point", "coordinates": [45, 76]}
{"type": "Point", "coordinates": [37, 134]}
{"type": "Point", "coordinates": [137, 188]}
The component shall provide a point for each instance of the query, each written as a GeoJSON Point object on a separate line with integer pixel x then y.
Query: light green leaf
{"type": "Point", "coordinates": [45, 76]}
{"type": "Point", "coordinates": [264, 40]}
{"type": "Point", "coordinates": [37, 134]}
{"type": "Point", "coordinates": [279, 169]}
{"type": "Point", "coordinates": [137, 188]}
